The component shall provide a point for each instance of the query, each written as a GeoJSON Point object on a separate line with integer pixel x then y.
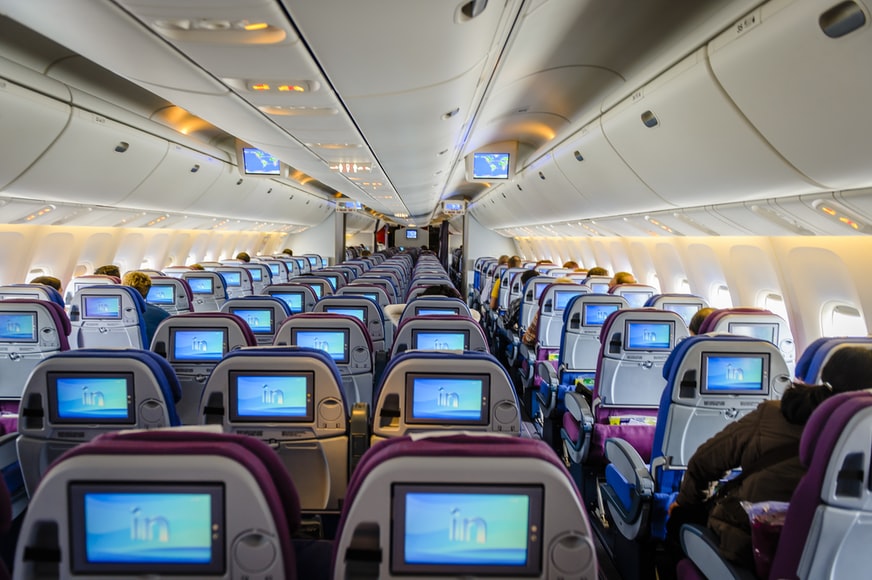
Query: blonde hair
{"type": "Point", "coordinates": [138, 280]}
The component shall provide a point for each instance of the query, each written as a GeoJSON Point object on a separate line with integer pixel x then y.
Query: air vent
{"type": "Point", "coordinates": [843, 18]}
{"type": "Point", "coordinates": [649, 119]}
{"type": "Point", "coordinates": [541, 176]}
{"type": "Point", "coordinates": [578, 155]}
{"type": "Point", "coordinates": [472, 9]}
{"type": "Point", "coordinates": [122, 147]}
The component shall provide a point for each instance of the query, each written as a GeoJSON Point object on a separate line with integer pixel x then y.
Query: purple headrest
{"type": "Point", "coordinates": [250, 339]}
{"type": "Point", "coordinates": [57, 314]}
{"type": "Point", "coordinates": [711, 321]}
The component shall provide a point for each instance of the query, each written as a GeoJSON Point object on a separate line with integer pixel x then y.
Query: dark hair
{"type": "Point", "coordinates": [698, 319]}
{"type": "Point", "coordinates": [108, 270]}
{"type": "Point", "coordinates": [527, 274]}
{"type": "Point", "coordinates": [848, 369]}
{"type": "Point", "coordinates": [48, 281]}
{"type": "Point", "coordinates": [441, 290]}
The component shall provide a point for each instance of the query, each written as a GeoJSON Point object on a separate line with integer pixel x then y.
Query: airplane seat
{"type": "Point", "coordinates": [464, 505]}
{"type": "Point", "coordinates": [6, 518]}
{"type": "Point", "coordinates": [385, 282]}
{"type": "Point", "coordinates": [686, 305]}
{"type": "Point", "coordinates": [80, 282]}
{"type": "Point", "coordinates": [364, 309]}
{"type": "Point", "coordinates": [237, 281]}
{"type": "Point", "coordinates": [598, 284]}
{"type": "Point", "coordinates": [439, 332]}
{"type": "Point", "coordinates": [711, 381]}
{"type": "Point", "coordinates": [76, 395]}
{"type": "Point", "coordinates": [430, 391]}
{"type": "Point", "coordinates": [278, 272]}
{"type": "Point", "coordinates": [298, 297]}
{"type": "Point", "coordinates": [292, 399]}
{"type": "Point", "coordinates": [193, 344]}
{"type": "Point", "coordinates": [108, 316]}
{"type": "Point", "coordinates": [30, 331]}
{"type": "Point", "coordinates": [260, 276]}
{"type": "Point", "coordinates": [171, 294]}
{"type": "Point", "coordinates": [208, 289]}
{"type": "Point", "coordinates": [815, 356]}
{"type": "Point", "coordinates": [263, 314]}
{"type": "Point", "coordinates": [415, 291]}
{"type": "Point", "coordinates": [345, 339]}
{"type": "Point", "coordinates": [755, 322]}
{"type": "Point", "coordinates": [198, 504]}
{"type": "Point", "coordinates": [435, 306]}
{"type": "Point", "coordinates": [827, 526]}
{"type": "Point", "coordinates": [637, 295]}
{"type": "Point", "coordinates": [12, 479]}
{"type": "Point", "coordinates": [32, 292]}
{"type": "Point", "coordinates": [321, 286]}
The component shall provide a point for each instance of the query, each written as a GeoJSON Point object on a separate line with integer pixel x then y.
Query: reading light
{"type": "Point", "coordinates": [351, 167]}
{"type": "Point", "coordinates": [297, 111]}
{"type": "Point", "coordinates": [259, 87]}
{"type": "Point", "coordinates": [842, 214]}
{"type": "Point", "coordinates": [252, 26]}
{"type": "Point", "coordinates": [37, 214]}
{"type": "Point", "coordinates": [289, 88]}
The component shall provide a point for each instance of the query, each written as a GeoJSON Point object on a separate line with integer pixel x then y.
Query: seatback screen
{"type": "Point", "coordinates": [648, 335]}
{"type": "Point", "coordinates": [762, 330]}
{"type": "Point", "coordinates": [197, 345]}
{"type": "Point", "coordinates": [260, 320]}
{"type": "Point", "coordinates": [200, 285]}
{"type": "Point", "coordinates": [271, 396]}
{"type": "Point", "coordinates": [333, 342]}
{"type": "Point", "coordinates": [101, 307]}
{"type": "Point", "coordinates": [594, 314]}
{"type": "Point", "coordinates": [161, 294]}
{"type": "Point", "coordinates": [449, 399]}
{"type": "Point", "coordinates": [232, 278]}
{"type": "Point", "coordinates": [90, 398]}
{"type": "Point", "coordinates": [685, 311]}
{"type": "Point", "coordinates": [294, 300]}
{"type": "Point", "coordinates": [562, 298]}
{"type": "Point", "coordinates": [257, 274]}
{"type": "Point", "coordinates": [726, 374]}
{"type": "Point", "coordinates": [440, 340]}
{"type": "Point", "coordinates": [358, 313]}
{"type": "Point", "coordinates": [18, 327]}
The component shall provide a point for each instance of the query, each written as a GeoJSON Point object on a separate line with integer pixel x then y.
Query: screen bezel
{"type": "Point", "coordinates": [535, 514]}
{"type": "Point", "coordinates": [163, 302]}
{"type": "Point", "coordinates": [247, 170]}
{"type": "Point", "coordinates": [411, 234]}
{"type": "Point", "coordinates": [53, 406]}
{"type": "Point", "coordinates": [418, 331]}
{"type": "Point", "coordinates": [503, 155]}
{"type": "Point", "coordinates": [79, 563]}
{"type": "Point", "coordinates": [484, 416]}
{"type": "Point", "coordinates": [630, 348]}
{"type": "Point", "coordinates": [346, 338]}
{"type": "Point", "coordinates": [764, 375]}
{"type": "Point", "coordinates": [588, 305]}
{"type": "Point", "coordinates": [87, 316]}
{"type": "Point", "coordinates": [233, 396]}
{"type": "Point", "coordinates": [773, 326]}
{"type": "Point", "coordinates": [240, 310]}
{"type": "Point", "coordinates": [201, 292]}
{"type": "Point", "coordinates": [34, 335]}
{"type": "Point", "coordinates": [171, 346]}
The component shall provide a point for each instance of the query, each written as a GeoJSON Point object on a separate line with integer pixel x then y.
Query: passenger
{"type": "Point", "coordinates": [572, 265]}
{"type": "Point", "coordinates": [529, 338]}
{"type": "Point", "coordinates": [196, 267]}
{"type": "Point", "coordinates": [698, 319]}
{"type": "Point", "coordinates": [48, 281]}
{"type": "Point", "coordinates": [153, 314]}
{"type": "Point", "coordinates": [597, 271]}
{"type": "Point", "coordinates": [513, 262]}
{"type": "Point", "coordinates": [108, 270]}
{"type": "Point", "coordinates": [765, 444]}
{"type": "Point", "coordinates": [365, 254]}
{"type": "Point", "coordinates": [244, 257]}
{"type": "Point", "coordinates": [288, 252]}
{"type": "Point", "coordinates": [621, 278]}
{"type": "Point", "coordinates": [511, 320]}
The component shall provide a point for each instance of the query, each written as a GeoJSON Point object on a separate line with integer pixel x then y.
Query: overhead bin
{"type": "Point", "coordinates": [805, 91]}
{"type": "Point", "coordinates": [94, 160]}
{"type": "Point", "coordinates": [685, 140]}
{"type": "Point", "coordinates": [547, 195]}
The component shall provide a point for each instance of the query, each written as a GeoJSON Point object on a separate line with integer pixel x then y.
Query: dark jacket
{"type": "Point", "coordinates": [741, 444]}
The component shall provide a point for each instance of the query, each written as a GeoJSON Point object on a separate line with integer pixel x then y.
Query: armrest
{"type": "Point", "coordinates": [578, 407]}
{"type": "Point", "coordinates": [701, 546]}
{"type": "Point", "coordinates": [547, 394]}
{"type": "Point", "coordinates": [628, 490]}
{"type": "Point", "coordinates": [627, 461]}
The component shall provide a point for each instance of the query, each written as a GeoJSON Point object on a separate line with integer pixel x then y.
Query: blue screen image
{"type": "Point", "coordinates": [562, 298]}
{"type": "Point", "coordinates": [256, 274]}
{"type": "Point", "coordinates": [636, 299]}
{"type": "Point", "coordinates": [685, 311]}
{"type": "Point", "coordinates": [333, 343]}
{"type": "Point", "coordinates": [358, 313]}
{"type": "Point", "coordinates": [440, 341]}
{"type": "Point", "coordinates": [271, 396]}
{"type": "Point", "coordinates": [649, 335]}
{"type": "Point", "coordinates": [200, 285]}
{"type": "Point", "coordinates": [334, 281]}
{"type": "Point", "coordinates": [596, 314]}
{"type": "Point", "coordinates": [260, 162]}
{"type": "Point", "coordinates": [599, 287]}
{"type": "Point", "coordinates": [371, 295]}
{"type": "Point", "coordinates": [447, 399]}
{"type": "Point", "coordinates": [294, 300]}
{"type": "Point", "coordinates": [160, 294]}
{"type": "Point", "coordinates": [92, 398]}
{"type": "Point", "coordinates": [317, 289]}
{"type": "Point", "coordinates": [258, 319]}
{"type": "Point", "coordinates": [437, 312]}
{"type": "Point", "coordinates": [490, 165]}
{"type": "Point", "coordinates": [538, 288]}
{"type": "Point", "coordinates": [101, 306]}
{"type": "Point", "coordinates": [18, 327]}
{"type": "Point", "coordinates": [729, 373]}
{"type": "Point", "coordinates": [148, 528]}
{"type": "Point", "coordinates": [232, 278]}
{"type": "Point", "coordinates": [274, 269]}
{"type": "Point", "coordinates": [198, 345]}
{"type": "Point", "coordinates": [466, 528]}
{"type": "Point", "coordinates": [586, 380]}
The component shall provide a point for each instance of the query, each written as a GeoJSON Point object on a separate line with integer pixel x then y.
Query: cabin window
{"type": "Point", "coordinates": [81, 270]}
{"type": "Point", "coordinates": [653, 280]}
{"type": "Point", "coordinates": [36, 272]}
{"type": "Point", "coordinates": [775, 304]}
{"type": "Point", "coordinates": [684, 286]}
{"type": "Point", "coordinates": [842, 320]}
{"type": "Point", "coordinates": [720, 297]}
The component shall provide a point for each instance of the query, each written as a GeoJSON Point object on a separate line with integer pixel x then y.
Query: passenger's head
{"type": "Point", "coordinates": [563, 280]}
{"type": "Point", "coordinates": [698, 319]}
{"type": "Point", "coordinates": [527, 274]}
{"type": "Point", "coordinates": [597, 271]}
{"type": "Point", "coordinates": [441, 290]}
{"type": "Point", "coordinates": [849, 369]}
{"type": "Point", "coordinates": [48, 281]}
{"type": "Point", "coordinates": [502, 259]}
{"type": "Point", "coordinates": [243, 256]}
{"type": "Point", "coordinates": [108, 270]}
{"type": "Point", "coordinates": [138, 280]}
{"type": "Point", "coordinates": [288, 252]}
{"type": "Point", "coordinates": [515, 262]}
{"type": "Point", "coordinates": [196, 267]}
{"type": "Point", "coordinates": [621, 278]}
{"type": "Point", "coordinates": [365, 254]}
{"type": "Point", "coordinates": [571, 264]}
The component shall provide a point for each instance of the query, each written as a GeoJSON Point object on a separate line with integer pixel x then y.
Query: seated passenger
{"type": "Point", "coordinates": [108, 270]}
{"type": "Point", "coordinates": [48, 281]}
{"type": "Point", "coordinates": [765, 444]}
{"type": "Point", "coordinates": [532, 332]}
{"type": "Point", "coordinates": [510, 320]}
{"type": "Point", "coordinates": [243, 257]}
{"type": "Point", "coordinates": [698, 319]}
{"type": "Point", "coordinates": [153, 314]}
{"type": "Point", "coordinates": [513, 262]}
{"type": "Point", "coordinates": [597, 271]}
{"type": "Point", "coordinates": [620, 278]}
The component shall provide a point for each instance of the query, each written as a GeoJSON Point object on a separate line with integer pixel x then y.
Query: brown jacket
{"type": "Point", "coordinates": [741, 444]}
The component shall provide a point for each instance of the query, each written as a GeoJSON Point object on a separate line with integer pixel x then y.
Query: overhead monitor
{"type": "Point", "coordinates": [333, 342]}
{"type": "Point", "coordinates": [684, 310]}
{"type": "Point", "coordinates": [466, 530]}
{"type": "Point", "coordinates": [595, 313]}
{"type": "Point", "coordinates": [357, 312]}
{"type": "Point", "coordinates": [167, 529]}
{"type": "Point", "coordinates": [411, 234]}
{"type": "Point", "coordinates": [232, 279]}
{"type": "Point", "coordinates": [197, 345]}
{"type": "Point", "coordinates": [201, 285]}
{"type": "Point", "coordinates": [735, 374]}
{"type": "Point", "coordinates": [649, 336]}
{"type": "Point", "coordinates": [453, 207]}
{"type": "Point", "coordinates": [493, 162]}
{"type": "Point", "coordinates": [447, 398]}
{"type": "Point", "coordinates": [161, 294]}
{"type": "Point", "coordinates": [90, 398]}
{"type": "Point", "coordinates": [260, 320]}
{"type": "Point", "coordinates": [763, 330]}
{"type": "Point", "coordinates": [440, 339]}
{"type": "Point", "coordinates": [100, 307]}
{"type": "Point", "coordinates": [346, 206]}
{"type": "Point", "coordinates": [256, 162]}
{"type": "Point", "coordinates": [271, 396]}
{"type": "Point", "coordinates": [294, 300]}
{"type": "Point", "coordinates": [18, 327]}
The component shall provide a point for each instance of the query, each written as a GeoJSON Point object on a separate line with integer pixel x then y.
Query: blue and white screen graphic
{"type": "Point", "coordinates": [490, 165]}
{"type": "Point", "coordinates": [15, 327]}
{"type": "Point", "coordinates": [198, 345]}
{"type": "Point", "coordinates": [596, 314]}
{"type": "Point", "coordinates": [437, 312]}
{"type": "Point", "coordinates": [260, 320]}
{"type": "Point", "coordinates": [637, 299]}
{"type": "Point", "coordinates": [334, 281]}
{"type": "Point", "coordinates": [232, 278]}
{"type": "Point", "coordinates": [274, 268]}
{"type": "Point", "coordinates": [260, 162]}
{"type": "Point", "coordinates": [358, 313]}
{"type": "Point", "coordinates": [259, 396]}
{"type": "Point", "coordinates": [538, 288]}
{"type": "Point", "coordinates": [200, 285]}
{"type": "Point", "coordinates": [148, 528]}
{"type": "Point", "coordinates": [562, 298]}
{"type": "Point", "coordinates": [649, 335]}
{"type": "Point", "coordinates": [466, 529]}
{"type": "Point", "coordinates": [447, 399]}
{"type": "Point", "coordinates": [734, 373]}
{"type": "Point", "coordinates": [331, 342]}
{"type": "Point", "coordinates": [685, 311]}
{"type": "Point", "coordinates": [294, 300]}
{"type": "Point", "coordinates": [256, 274]}
{"type": "Point", "coordinates": [440, 341]}
{"type": "Point", "coordinates": [101, 307]}
{"type": "Point", "coordinates": [317, 289]}
{"type": "Point", "coordinates": [92, 398]}
{"type": "Point", "coordinates": [160, 294]}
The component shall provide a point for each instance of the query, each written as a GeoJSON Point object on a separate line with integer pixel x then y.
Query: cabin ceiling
{"type": "Point", "coordinates": [405, 87]}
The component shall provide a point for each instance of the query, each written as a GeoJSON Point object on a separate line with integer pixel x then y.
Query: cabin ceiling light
{"type": "Point", "coordinates": [220, 30]}
{"type": "Point", "coordinates": [286, 111]}
{"type": "Point", "coordinates": [334, 146]}
{"type": "Point", "coordinates": [351, 167]}
{"type": "Point", "coordinates": [35, 215]}
{"type": "Point", "coordinates": [841, 214]}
